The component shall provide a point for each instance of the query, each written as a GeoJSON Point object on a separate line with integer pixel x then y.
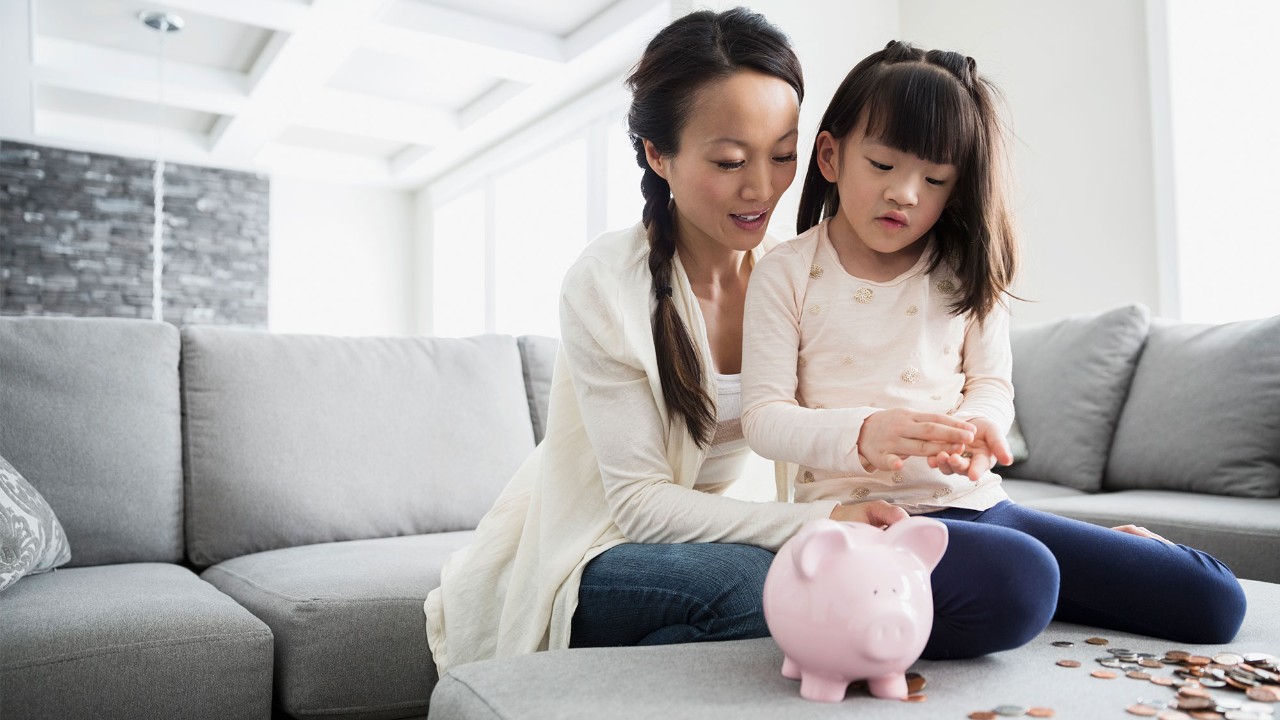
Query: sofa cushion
{"type": "Point", "coordinates": [1070, 379]}
{"type": "Point", "coordinates": [89, 411]}
{"type": "Point", "coordinates": [1204, 412]}
{"type": "Point", "coordinates": [296, 439]}
{"type": "Point", "coordinates": [1244, 533]}
{"type": "Point", "coordinates": [538, 355]}
{"type": "Point", "coordinates": [130, 641]}
{"type": "Point", "coordinates": [347, 617]}
{"type": "Point", "coordinates": [31, 538]}
{"type": "Point", "coordinates": [742, 680]}
{"type": "Point", "coordinates": [1025, 491]}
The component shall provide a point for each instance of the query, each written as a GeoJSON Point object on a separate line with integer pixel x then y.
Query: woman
{"type": "Point", "coordinates": [614, 532]}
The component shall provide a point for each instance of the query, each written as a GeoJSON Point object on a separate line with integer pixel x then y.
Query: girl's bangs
{"type": "Point", "coordinates": [925, 111]}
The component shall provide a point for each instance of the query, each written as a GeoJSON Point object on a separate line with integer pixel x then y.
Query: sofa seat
{"type": "Point", "coordinates": [1242, 532]}
{"type": "Point", "coordinates": [741, 680]}
{"type": "Point", "coordinates": [140, 640]}
{"type": "Point", "coordinates": [1026, 492]}
{"type": "Point", "coordinates": [348, 621]}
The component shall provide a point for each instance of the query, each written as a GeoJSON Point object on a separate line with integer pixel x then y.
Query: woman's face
{"type": "Point", "coordinates": [736, 157]}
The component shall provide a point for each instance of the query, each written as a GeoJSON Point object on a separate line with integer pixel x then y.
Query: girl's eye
{"type": "Point", "coordinates": [731, 165]}
{"type": "Point", "coordinates": [933, 181]}
{"type": "Point", "coordinates": [880, 166]}
{"type": "Point", "coordinates": [786, 158]}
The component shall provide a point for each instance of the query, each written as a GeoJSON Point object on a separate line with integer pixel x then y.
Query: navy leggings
{"type": "Point", "coordinates": [1007, 572]}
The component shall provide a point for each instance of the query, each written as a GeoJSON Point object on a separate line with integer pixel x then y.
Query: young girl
{"type": "Point", "coordinates": [881, 333]}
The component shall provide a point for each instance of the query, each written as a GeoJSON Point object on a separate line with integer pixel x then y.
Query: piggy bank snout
{"type": "Point", "coordinates": [890, 635]}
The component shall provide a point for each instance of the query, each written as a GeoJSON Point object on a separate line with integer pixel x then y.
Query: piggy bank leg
{"type": "Point", "coordinates": [823, 688]}
{"type": "Point", "coordinates": [790, 669]}
{"type": "Point", "coordinates": [892, 687]}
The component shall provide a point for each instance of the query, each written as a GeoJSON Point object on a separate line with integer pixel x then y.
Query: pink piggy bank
{"type": "Point", "coordinates": [848, 601]}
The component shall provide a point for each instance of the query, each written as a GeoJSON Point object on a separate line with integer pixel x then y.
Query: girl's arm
{"type": "Point", "coordinates": [987, 364]}
{"type": "Point", "coordinates": [775, 425]}
{"type": "Point", "coordinates": [603, 345]}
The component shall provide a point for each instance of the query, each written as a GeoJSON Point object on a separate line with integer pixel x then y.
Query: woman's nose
{"type": "Point", "coordinates": [758, 185]}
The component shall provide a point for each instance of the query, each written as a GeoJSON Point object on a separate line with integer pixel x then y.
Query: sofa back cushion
{"type": "Point", "coordinates": [1070, 379]}
{"type": "Point", "coordinates": [295, 439]}
{"type": "Point", "coordinates": [90, 416]}
{"type": "Point", "coordinates": [1204, 412]}
{"type": "Point", "coordinates": [538, 353]}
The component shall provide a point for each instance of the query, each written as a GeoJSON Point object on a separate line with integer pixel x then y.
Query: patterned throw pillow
{"type": "Point", "coordinates": [31, 538]}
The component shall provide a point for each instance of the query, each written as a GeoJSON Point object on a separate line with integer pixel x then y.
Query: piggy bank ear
{"type": "Point", "coordinates": [924, 538]}
{"type": "Point", "coordinates": [819, 540]}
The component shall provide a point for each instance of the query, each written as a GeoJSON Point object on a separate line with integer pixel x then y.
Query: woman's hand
{"type": "Point", "coordinates": [876, 513]}
{"type": "Point", "coordinates": [987, 449]}
{"type": "Point", "coordinates": [890, 436]}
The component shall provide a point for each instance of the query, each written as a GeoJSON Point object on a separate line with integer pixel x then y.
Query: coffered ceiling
{"type": "Point", "coordinates": [388, 92]}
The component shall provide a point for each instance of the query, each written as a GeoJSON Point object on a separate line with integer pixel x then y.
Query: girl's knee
{"type": "Point", "coordinates": [1218, 602]}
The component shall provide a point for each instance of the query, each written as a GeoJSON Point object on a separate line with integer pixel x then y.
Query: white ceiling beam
{"type": "Point", "coordinates": [103, 71]}
{"type": "Point", "coordinates": [604, 62]}
{"type": "Point", "coordinates": [290, 67]}
{"type": "Point", "coordinates": [473, 29]}
{"type": "Point", "coordinates": [606, 24]}
{"type": "Point", "coordinates": [123, 137]}
{"type": "Point", "coordinates": [490, 100]}
{"type": "Point", "coordinates": [328, 165]}
{"type": "Point", "coordinates": [280, 15]}
{"type": "Point", "coordinates": [374, 117]}
{"type": "Point", "coordinates": [17, 94]}
{"type": "Point", "coordinates": [480, 58]}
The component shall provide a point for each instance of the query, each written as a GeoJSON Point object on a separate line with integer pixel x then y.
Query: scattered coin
{"type": "Point", "coordinates": [1141, 710]}
{"type": "Point", "coordinates": [1173, 715]}
{"type": "Point", "coordinates": [915, 698]}
{"type": "Point", "coordinates": [1196, 703]}
{"type": "Point", "coordinates": [1149, 663]}
{"type": "Point", "coordinates": [1193, 691]}
{"type": "Point", "coordinates": [1264, 694]}
{"type": "Point", "coordinates": [982, 715]}
{"type": "Point", "coordinates": [1097, 641]}
{"type": "Point", "coordinates": [915, 683]}
{"type": "Point", "coordinates": [1177, 655]}
{"type": "Point", "coordinates": [1010, 710]}
{"type": "Point", "coordinates": [1063, 643]}
{"type": "Point", "coordinates": [1137, 675]}
{"type": "Point", "coordinates": [1103, 674]}
{"type": "Point", "coordinates": [1228, 658]}
{"type": "Point", "coordinates": [1198, 660]}
{"type": "Point", "coordinates": [1069, 663]}
{"type": "Point", "coordinates": [1040, 712]}
{"type": "Point", "coordinates": [1164, 681]}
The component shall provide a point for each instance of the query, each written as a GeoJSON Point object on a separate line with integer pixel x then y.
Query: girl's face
{"type": "Point", "coordinates": [889, 199]}
{"type": "Point", "coordinates": [737, 156]}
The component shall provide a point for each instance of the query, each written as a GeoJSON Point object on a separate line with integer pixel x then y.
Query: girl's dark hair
{"type": "Point", "coordinates": [934, 105]}
{"type": "Point", "coordinates": [683, 58]}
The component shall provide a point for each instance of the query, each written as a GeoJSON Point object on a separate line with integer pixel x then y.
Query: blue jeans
{"type": "Point", "coordinates": [1006, 572]}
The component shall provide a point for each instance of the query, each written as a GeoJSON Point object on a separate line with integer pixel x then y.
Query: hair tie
{"type": "Point", "coordinates": [664, 292]}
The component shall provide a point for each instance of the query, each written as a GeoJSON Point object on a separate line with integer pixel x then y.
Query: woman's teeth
{"type": "Point", "coordinates": [749, 218]}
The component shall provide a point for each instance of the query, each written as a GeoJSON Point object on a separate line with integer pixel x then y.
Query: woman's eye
{"type": "Point", "coordinates": [935, 181]}
{"type": "Point", "coordinates": [786, 158]}
{"type": "Point", "coordinates": [880, 166]}
{"type": "Point", "coordinates": [731, 165]}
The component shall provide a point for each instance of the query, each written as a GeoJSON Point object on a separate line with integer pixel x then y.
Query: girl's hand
{"type": "Point", "coordinates": [890, 436]}
{"type": "Point", "coordinates": [987, 449]}
{"type": "Point", "coordinates": [1140, 532]}
{"type": "Point", "coordinates": [876, 513]}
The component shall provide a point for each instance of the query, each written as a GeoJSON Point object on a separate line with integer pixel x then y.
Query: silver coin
{"type": "Point", "coordinates": [1120, 651]}
{"type": "Point", "coordinates": [1260, 658]}
{"type": "Point", "coordinates": [1111, 663]}
{"type": "Point", "coordinates": [1243, 715]}
{"type": "Point", "coordinates": [1228, 703]}
{"type": "Point", "coordinates": [1010, 710]}
{"type": "Point", "coordinates": [1228, 658]}
{"type": "Point", "coordinates": [1211, 683]}
{"type": "Point", "coordinates": [1257, 707]}
{"type": "Point", "coordinates": [1063, 643]}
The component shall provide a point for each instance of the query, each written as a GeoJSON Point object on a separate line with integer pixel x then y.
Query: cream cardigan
{"type": "Point", "coordinates": [611, 469]}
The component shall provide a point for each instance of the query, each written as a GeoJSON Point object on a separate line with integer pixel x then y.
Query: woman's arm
{"type": "Point", "coordinates": [633, 445]}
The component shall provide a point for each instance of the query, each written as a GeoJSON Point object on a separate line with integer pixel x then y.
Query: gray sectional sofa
{"type": "Point", "coordinates": [255, 519]}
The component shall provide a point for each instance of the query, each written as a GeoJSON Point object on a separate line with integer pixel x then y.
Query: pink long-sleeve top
{"type": "Point", "coordinates": [823, 350]}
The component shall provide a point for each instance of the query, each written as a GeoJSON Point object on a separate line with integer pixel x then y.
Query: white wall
{"type": "Point", "coordinates": [341, 259]}
{"type": "Point", "coordinates": [1076, 81]}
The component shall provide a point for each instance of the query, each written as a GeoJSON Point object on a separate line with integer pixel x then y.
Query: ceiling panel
{"type": "Point", "coordinates": [558, 18]}
{"type": "Point", "coordinates": [446, 82]}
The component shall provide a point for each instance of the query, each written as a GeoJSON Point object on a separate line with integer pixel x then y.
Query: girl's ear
{"type": "Point", "coordinates": [655, 160]}
{"type": "Point", "coordinates": [827, 150]}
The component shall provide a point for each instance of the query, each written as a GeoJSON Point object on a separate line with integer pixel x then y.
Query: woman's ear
{"type": "Point", "coordinates": [827, 151]}
{"type": "Point", "coordinates": [656, 160]}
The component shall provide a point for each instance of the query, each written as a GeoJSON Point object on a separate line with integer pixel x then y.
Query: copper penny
{"type": "Point", "coordinates": [1149, 663]}
{"type": "Point", "coordinates": [1069, 663]}
{"type": "Point", "coordinates": [1103, 674]}
{"type": "Point", "coordinates": [915, 698]}
{"type": "Point", "coordinates": [1097, 641]}
{"type": "Point", "coordinates": [1196, 703]}
{"type": "Point", "coordinates": [1193, 691]}
{"type": "Point", "coordinates": [1137, 675]}
{"type": "Point", "coordinates": [1162, 681]}
{"type": "Point", "coordinates": [1173, 715]}
{"type": "Point", "coordinates": [1206, 715]}
{"type": "Point", "coordinates": [915, 683]}
{"type": "Point", "coordinates": [1141, 710]}
{"type": "Point", "coordinates": [1263, 693]}
{"type": "Point", "coordinates": [982, 715]}
{"type": "Point", "coordinates": [1198, 660]}
{"type": "Point", "coordinates": [1040, 712]}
